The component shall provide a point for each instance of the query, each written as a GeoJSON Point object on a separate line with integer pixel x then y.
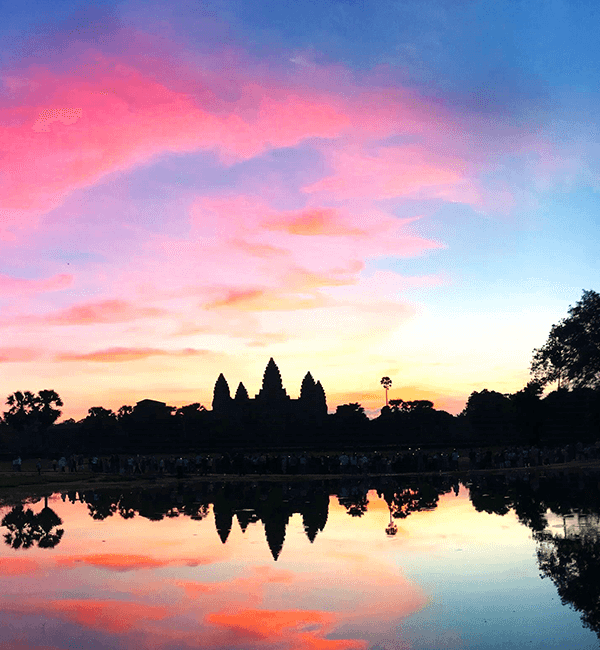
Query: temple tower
{"type": "Point", "coordinates": [272, 389]}
{"type": "Point", "coordinates": [221, 397]}
{"type": "Point", "coordinates": [241, 394]}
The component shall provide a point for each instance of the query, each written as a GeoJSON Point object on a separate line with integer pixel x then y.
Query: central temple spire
{"type": "Point", "coordinates": [272, 387]}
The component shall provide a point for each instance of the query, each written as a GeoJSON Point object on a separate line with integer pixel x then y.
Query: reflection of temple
{"type": "Point", "coordinates": [272, 402]}
{"type": "Point", "coordinates": [274, 505]}
{"type": "Point", "coordinates": [266, 503]}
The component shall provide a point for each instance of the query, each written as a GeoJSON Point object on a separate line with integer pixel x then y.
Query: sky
{"type": "Point", "coordinates": [355, 188]}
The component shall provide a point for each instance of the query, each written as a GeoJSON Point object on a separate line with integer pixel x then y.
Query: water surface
{"type": "Point", "coordinates": [374, 563]}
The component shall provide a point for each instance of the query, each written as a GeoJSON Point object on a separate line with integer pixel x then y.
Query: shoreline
{"type": "Point", "coordinates": [32, 484]}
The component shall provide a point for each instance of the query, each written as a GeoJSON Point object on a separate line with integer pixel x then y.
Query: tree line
{"type": "Point", "coordinates": [570, 358]}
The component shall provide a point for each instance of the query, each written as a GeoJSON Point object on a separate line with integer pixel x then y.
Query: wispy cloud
{"type": "Point", "coordinates": [121, 355]}
{"type": "Point", "coordinates": [11, 286]}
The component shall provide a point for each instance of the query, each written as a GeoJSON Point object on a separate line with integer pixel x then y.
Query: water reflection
{"type": "Point", "coordinates": [572, 562]}
{"type": "Point", "coordinates": [26, 528]}
{"type": "Point", "coordinates": [272, 503]}
{"type": "Point", "coordinates": [366, 584]}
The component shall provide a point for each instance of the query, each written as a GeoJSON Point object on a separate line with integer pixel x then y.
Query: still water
{"type": "Point", "coordinates": [498, 562]}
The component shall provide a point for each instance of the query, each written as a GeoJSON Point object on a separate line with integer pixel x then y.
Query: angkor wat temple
{"type": "Point", "coordinates": [272, 404]}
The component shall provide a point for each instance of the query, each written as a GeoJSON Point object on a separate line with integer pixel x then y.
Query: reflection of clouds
{"type": "Point", "coordinates": [106, 615]}
{"type": "Point", "coordinates": [293, 629]}
{"type": "Point", "coordinates": [164, 603]}
{"type": "Point", "coordinates": [129, 562]}
{"type": "Point", "coordinates": [18, 566]}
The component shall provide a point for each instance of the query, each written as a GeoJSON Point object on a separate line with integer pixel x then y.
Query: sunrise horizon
{"type": "Point", "coordinates": [357, 189]}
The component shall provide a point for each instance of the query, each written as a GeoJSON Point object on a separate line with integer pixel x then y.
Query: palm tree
{"type": "Point", "coordinates": [386, 382]}
{"type": "Point", "coordinates": [47, 520]}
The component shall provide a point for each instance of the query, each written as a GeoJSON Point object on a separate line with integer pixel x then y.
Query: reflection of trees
{"type": "Point", "coordinates": [25, 528]}
{"type": "Point", "coordinates": [355, 503]}
{"type": "Point", "coordinates": [572, 560]}
{"type": "Point", "coordinates": [573, 564]}
{"type": "Point", "coordinates": [100, 505]}
{"type": "Point", "coordinates": [21, 527]}
{"type": "Point", "coordinates": [402, 501]}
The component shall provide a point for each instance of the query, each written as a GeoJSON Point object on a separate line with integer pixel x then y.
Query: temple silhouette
{"type": "Point", "coordinates": [272, 405]}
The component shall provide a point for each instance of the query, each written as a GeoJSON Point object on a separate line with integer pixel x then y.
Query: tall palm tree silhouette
{"type": "Point", "coordinates": [386, 382]}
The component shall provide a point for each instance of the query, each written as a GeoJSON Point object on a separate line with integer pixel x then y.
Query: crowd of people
{"type": "Point", "coordinates": [305, 463]}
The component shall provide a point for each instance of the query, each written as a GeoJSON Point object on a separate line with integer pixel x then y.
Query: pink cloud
{"type": "Point", "coordinates": [18, 286]}
{"type": "Point", "coordinates": [318, 238]}
{"type": "Point", "coordinates": [259, 250]}
{"type": "Point", "coordinates": [264, 339]}
{"type": "Point", "coordinates": [102, 311]}
{"type": "Point", "coordinates": [15, 355]}
{"type": "Point", "coordinates": [396, 172]}
{"type": "Point", "coordinates": [107, 115]}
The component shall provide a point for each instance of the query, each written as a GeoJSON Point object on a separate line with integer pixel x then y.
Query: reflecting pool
{"type": "Point", "coordinates": [501, 561]}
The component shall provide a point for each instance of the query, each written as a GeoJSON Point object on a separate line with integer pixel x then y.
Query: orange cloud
{"type": "Point", "coordinates": [18, 286]}
{"type": "Point", "coordinates": [106, 615]}
{"type": "Point", "coordinates": [264, 624]}
{"type": "Point", "coordinates": [267, 300]}
{"type": "Point", "coordinates": [120, 355]}
{"type": "Point", "coordinates": [316, 221]}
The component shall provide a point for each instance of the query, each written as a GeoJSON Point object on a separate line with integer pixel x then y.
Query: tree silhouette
{"type": "Point", "coordinates": [124, 411]}
{"type": "Point", "coordinates": [33, 413]}
{"type": "Point", "coordinates": [47, 401]}
{"type": "Point", "coordinates": [356, 504]}
{"type": "Point", "coordinates": [23, 407]}
{"type": "Point", "coordinates": [571, 355]}
{"type": "Point", "coordinates": [386, 382]}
